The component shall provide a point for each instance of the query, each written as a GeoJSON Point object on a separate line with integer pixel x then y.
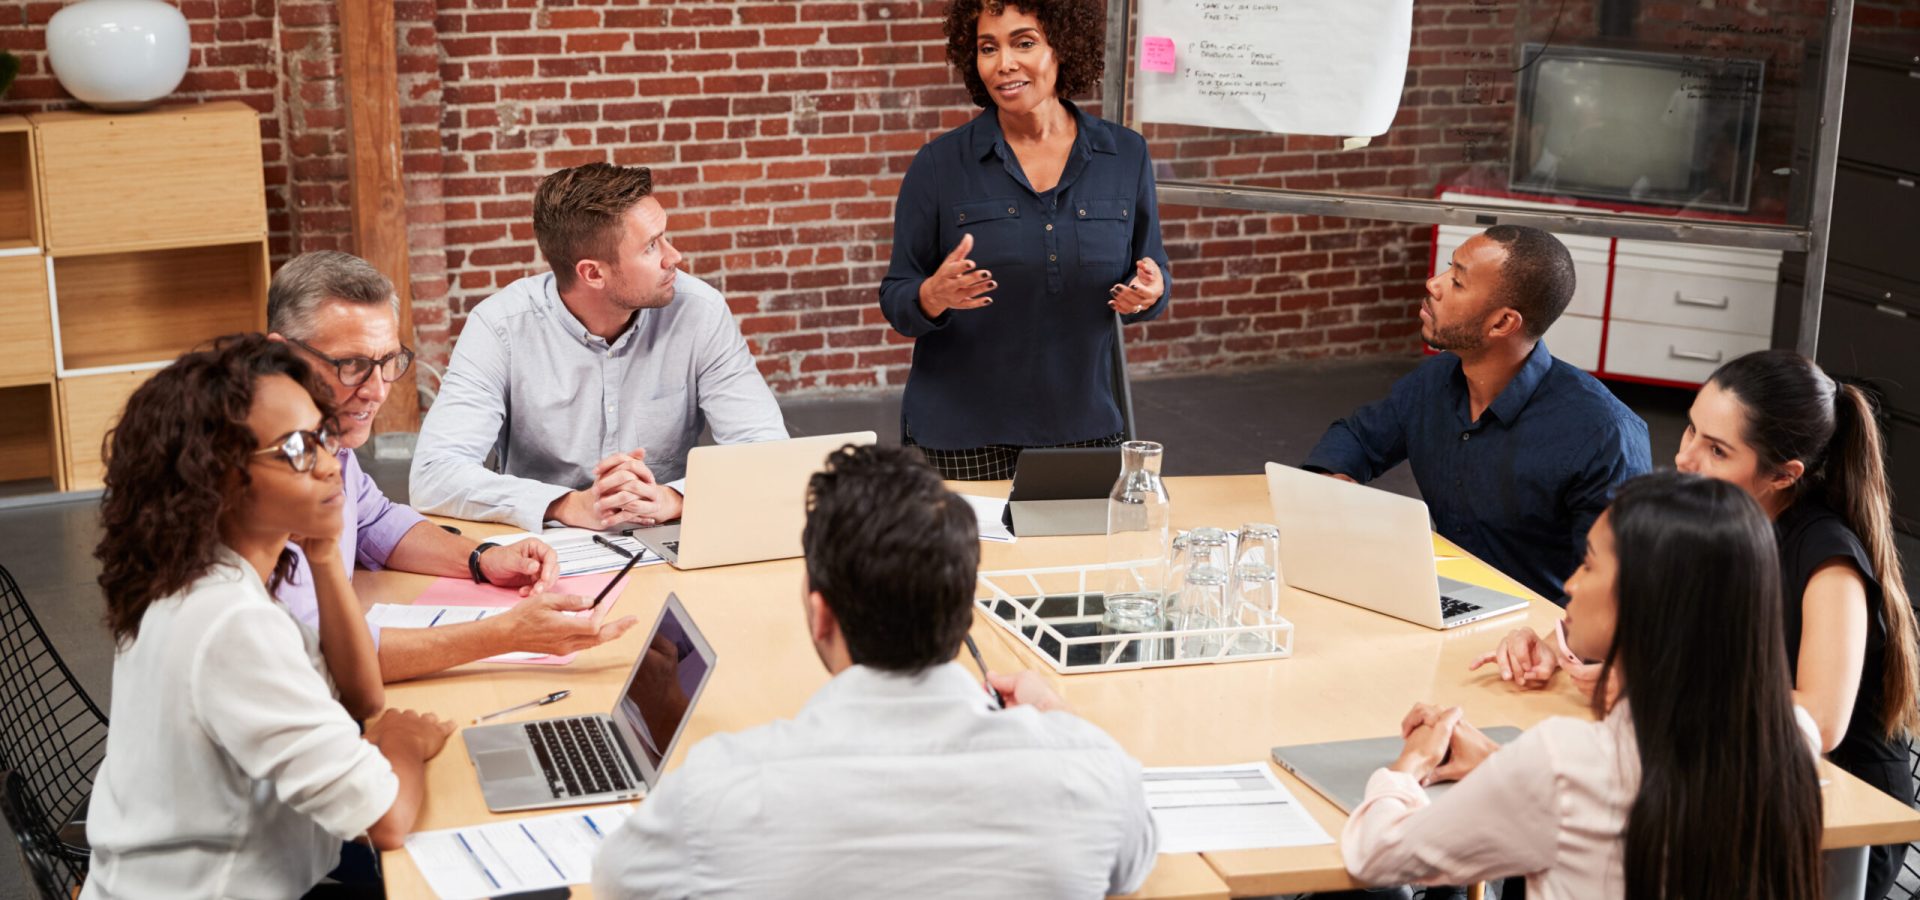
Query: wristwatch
{"type": "Point", "coordinates": [473, 561]}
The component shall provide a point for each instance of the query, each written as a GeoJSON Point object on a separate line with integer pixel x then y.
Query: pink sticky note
{"type": "Point", "coordinates": [1156, 54]}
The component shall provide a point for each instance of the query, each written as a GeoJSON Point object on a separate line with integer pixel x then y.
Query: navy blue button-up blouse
{"type": "Point", "coordinates": [1520, 486]}
{"type": "Point", "coordinates": [1033, 368]}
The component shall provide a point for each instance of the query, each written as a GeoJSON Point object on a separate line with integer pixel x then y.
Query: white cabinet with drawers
{"type": "Point", "coordinates": [1652, 310]}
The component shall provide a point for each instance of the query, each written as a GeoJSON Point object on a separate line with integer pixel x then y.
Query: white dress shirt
{"type": "Point", "coordinates": [1552, 806]}
{"type": "Point", "coordinates": [230, 771]}
{"type": "Point", "coordinates": [547, 399]}
{"type": "Point", "coordinates": [896, 786]}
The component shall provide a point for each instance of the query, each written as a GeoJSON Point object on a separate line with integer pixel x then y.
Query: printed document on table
{"type": "Point", "coordinates": [1333, 67]}
{"type": "Point", "coordinates": [988, 511]}
{"type": "Point", "coordinates": [1197, 809]}
{"type": "Point", "coordinates": [508, 857]}
{"type": "Point", "coordinates": [580, 554]}
{"type": "Point", "coordinates": [406, 615]}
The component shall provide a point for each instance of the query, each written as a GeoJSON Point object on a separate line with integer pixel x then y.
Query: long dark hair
{"type": "Point", "coordinates": [1796, 412]}
{"type": "Point", "coordinates": [1729, 801]}
{"type": "Point", "coordinates": [172, 463]}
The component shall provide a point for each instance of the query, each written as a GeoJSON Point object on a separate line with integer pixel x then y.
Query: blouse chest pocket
{"type": "Point", "coordinates": [1105, 226]}
{"type": "Point", "coordinates": [995, 226]}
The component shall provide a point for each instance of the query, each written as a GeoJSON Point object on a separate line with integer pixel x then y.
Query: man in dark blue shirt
{"type": "Point", "coordinates": [1516, 453]}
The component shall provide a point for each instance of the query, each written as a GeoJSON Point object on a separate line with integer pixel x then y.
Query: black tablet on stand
{"type": "Point", "coordinates": [1062, 490]}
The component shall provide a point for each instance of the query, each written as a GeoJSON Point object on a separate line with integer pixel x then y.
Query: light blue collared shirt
{"type": "Point", "coordinates": [532, 388]}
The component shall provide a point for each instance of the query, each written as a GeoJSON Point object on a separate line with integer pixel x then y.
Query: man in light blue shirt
{"type": "Point", "coordinates": [575, 395]}
{"type": "Point", "coordinates": [899, 777]}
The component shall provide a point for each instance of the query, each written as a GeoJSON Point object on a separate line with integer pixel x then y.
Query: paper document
{"type": "Point", "coordinates": [403, 615]}
{"type": "Point", "coordinates": [580, 554]}
{"type": "Point", "coordinates": [397, 615]}
{"type": "Point", "coordinates": [1331, 67]}
{"type": "Point", "coordinates": [509, 857]}
{"type": "Point", "coordinates": [1198, 809]}
{"type": "Point", "coordinates": [989, 511]}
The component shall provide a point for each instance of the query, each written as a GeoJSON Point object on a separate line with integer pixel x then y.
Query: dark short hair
{"type": "Point", "coordinates": [895, 555]}
{"type": "Point", "coordinates": [181, 441]}
{"type": "Point", "coordinates": [1076, 29]}
{"type": "Point", "coordinates": [577, 213]}
{"type": "Point", "coordinates": [1537, 278]}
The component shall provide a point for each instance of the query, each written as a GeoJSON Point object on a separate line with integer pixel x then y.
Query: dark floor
{"type": "Point", "coordinates": [1210, 424]}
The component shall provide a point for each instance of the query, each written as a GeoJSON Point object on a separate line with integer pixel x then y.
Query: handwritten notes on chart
{"type": "Point", "coordinates": [1285, 66]}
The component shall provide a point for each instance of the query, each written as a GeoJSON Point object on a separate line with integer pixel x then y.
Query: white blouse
{"type": "Point", "coordinates": [230, 770]}
{"type": "Point", "coordinates": [1551, 806]}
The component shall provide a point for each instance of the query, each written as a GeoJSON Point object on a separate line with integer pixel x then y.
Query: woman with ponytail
{"type": "Point", "coordinates": [1809, 451]}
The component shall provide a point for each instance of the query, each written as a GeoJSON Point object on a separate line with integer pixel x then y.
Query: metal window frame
{"type": "Point", "coordinates": [1811, 239]}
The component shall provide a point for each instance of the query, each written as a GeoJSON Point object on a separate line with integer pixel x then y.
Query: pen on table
{"type": "Point", "coordinates": [973, 648]}
{"type": "Point", "coordinates": [602, 541]}
{"type": "Point", "coordinates": [631, 559]}
{"type": "Point", "coordinates": [554, 697]}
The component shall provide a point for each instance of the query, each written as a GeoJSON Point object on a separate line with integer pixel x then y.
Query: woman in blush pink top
{"type": "Point", "coordinates": [1705, 787]}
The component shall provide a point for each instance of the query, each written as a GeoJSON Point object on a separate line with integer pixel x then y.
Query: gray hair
{"type": "Point", "coordinates": [310, 280]}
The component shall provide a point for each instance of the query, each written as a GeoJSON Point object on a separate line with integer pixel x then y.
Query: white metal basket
{"type": "Point", "coordinates": [1055, 614]}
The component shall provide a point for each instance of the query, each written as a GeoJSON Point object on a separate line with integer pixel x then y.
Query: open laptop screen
{"type": "Point", "coordinates": [664, 685]}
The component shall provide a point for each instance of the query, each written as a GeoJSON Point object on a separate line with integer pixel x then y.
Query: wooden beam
{"type": "Point", "coordinates": [371, 62]}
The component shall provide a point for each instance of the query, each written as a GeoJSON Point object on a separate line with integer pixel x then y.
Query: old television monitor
{"type": "Point", "coordinates": [1636, 127]}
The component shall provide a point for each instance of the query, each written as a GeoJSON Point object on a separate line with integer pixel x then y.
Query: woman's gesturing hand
{"type": "Point", "coordinates": [957, 284]}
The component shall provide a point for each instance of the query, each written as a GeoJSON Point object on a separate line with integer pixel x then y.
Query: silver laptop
{"type": "Point", "coordinates": [1339, 770]}
{"type": "Point", "coordinates": [745, 502]}
{"type": "Point", "coordinates": [1370, 548]}
{"type": "Point", "coordinates": [579, 760]}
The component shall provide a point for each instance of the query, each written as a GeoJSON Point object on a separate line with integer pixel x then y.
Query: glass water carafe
{"type": "Point", "coordinates": [1138, 514]}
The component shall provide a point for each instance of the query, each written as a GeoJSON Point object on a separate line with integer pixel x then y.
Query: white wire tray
{"type": "Point", "coordinates": [1053, 612]}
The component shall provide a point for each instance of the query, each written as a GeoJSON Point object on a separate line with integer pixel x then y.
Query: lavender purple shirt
{"type": "Point", "coordinates": [373, 526]}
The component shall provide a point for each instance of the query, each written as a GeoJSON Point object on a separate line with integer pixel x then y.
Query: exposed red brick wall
{"type": "Point", "coordinates": [779, 131]}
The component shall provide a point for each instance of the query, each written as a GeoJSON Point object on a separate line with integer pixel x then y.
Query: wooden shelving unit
{"type": "Point", "coordinates": [125, 240]}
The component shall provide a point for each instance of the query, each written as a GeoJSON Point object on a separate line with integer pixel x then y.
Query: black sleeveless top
{"type": "Point", "coordinates": [1810, 536]}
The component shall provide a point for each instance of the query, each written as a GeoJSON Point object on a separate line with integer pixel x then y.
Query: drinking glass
{"type": "Point", "coordinates": [1203, 605]}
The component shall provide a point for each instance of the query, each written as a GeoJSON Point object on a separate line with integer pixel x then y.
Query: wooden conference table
{"type": "Point", "coordinates": [1353, 674]}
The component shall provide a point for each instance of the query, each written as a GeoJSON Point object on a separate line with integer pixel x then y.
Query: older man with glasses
{"type": "Point", "coordinates": [343, 316]}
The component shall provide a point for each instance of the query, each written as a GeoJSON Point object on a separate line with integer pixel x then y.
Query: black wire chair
{"type": "Point", "coordinates": [1906, 883]}
{"type": "Point", "coordinates": [41, 852]}
{"type": "Point", "coordinates": [52, 737]}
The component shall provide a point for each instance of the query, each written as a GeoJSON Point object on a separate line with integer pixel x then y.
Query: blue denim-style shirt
{"type": "Point", "coordinates": [1033, 368]}
{"type": "Point", "coordinates": [1520, 487]}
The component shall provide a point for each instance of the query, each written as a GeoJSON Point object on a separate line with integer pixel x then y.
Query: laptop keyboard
{"type": "Point", "coordinates": [576, 757]}
{"type": "Point", "coordinates": [1450, 607]}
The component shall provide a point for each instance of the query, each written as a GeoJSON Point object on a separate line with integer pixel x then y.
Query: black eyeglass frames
{"type": "Point", "coordinates": [355, 370]}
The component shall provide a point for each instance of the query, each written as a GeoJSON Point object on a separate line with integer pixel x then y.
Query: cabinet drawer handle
{"type": "Point", "coordinates": [1708, 302]}
{"type": "Point", "coordinates": [1678, 353]}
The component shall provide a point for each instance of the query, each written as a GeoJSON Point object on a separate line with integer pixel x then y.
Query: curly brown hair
{"type": "Point", "coordinates": [1076, 29]}
{"type": "Point", "coordinates": [172, 461]}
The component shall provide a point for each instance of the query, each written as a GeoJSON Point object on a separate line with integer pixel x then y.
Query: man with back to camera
{"type": "Point", "coordinates": [898, 777]}
{"type": "Point", "coordinates": [1516, 453]}
{"type": "Point", "coordinates": [587, 385]}
{"type": "Point", "coordinates": [342, 317]}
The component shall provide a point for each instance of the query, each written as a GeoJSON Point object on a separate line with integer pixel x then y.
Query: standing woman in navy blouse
{"type": "Point", "coordinates": [1016, 238]}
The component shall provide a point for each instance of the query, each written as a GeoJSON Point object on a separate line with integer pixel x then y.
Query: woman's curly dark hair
{"type": "Point", "coordinates": [181, 447]}
{"type": "Point", "coordinates": [1076, 29]}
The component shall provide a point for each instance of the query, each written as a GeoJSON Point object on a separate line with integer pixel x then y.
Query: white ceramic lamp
{"type": "Point", "coordinates": [118, 55]}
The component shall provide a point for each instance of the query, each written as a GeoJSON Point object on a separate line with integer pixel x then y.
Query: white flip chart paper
{"type": "Point", "coordinates": [1333, 67]}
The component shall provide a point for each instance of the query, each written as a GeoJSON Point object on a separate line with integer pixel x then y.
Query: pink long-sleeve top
{"type": "Point", "coordinates": [1551, 806]}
